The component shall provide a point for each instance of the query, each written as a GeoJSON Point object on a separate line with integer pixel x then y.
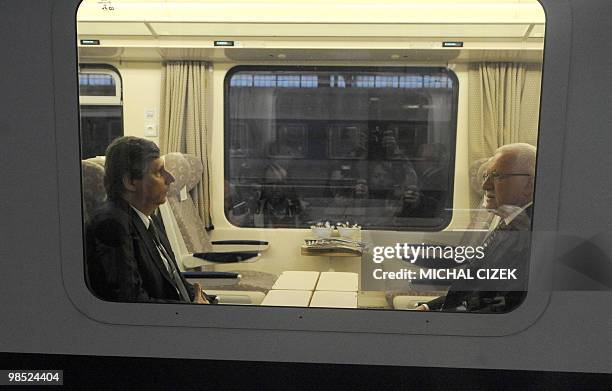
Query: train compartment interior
{"type": "Point", "coordinates": [376, 116]}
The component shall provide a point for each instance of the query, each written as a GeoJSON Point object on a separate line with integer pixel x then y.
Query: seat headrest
{"type": "Point", "coordinates": [94, 193]}
{"type": "Point", "coordinates": [98, 160]}
{"type": "Point", "coordinates": [186, 169]}
{"type": "Point", "coordinates": [196, 166]}
{"type": "Point", "coordinates": [477, 169]}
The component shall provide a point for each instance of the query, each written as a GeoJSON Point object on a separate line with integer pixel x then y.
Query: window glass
{"type": "Point", "coordinates": [359, 176]}
{"type": "Point", "coordinates": [99, 126]}
{"type": "Point", "coordinates": [369, 146]}
{"type": "Point", "coordinates": [96, 84]}
{"type": "Point", "coordinates": [101, 110]}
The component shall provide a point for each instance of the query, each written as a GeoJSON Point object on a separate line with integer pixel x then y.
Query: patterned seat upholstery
{"type": "Point", "coordinates": [187, 171]}
{"type": "Point", "coordinates": [93, 185]}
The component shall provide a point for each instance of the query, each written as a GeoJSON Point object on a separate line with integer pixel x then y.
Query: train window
{"type": "Point", "coordinates": [97, 84]}
{"type": "Point", "coordinates": [101, 109]}
{"type": "Point", "coordinates": [341, 144]}
{"type": "Point", "coordinates": [412, 147]}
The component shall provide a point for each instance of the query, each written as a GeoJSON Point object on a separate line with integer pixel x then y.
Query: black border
{"type": "Point", "coordinates": [112, 373]}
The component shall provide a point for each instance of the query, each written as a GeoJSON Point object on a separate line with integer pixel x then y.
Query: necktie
{"type": "Point", "coordinates": [178, 282]}
{"type": "Point", "coordinates": [500, 227]}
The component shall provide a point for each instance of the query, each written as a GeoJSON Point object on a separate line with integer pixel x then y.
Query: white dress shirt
{"type": "Point", "coordinates": [146, 220]}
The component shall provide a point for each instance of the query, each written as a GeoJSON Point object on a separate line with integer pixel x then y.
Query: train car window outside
{"type": "Point", "coordinates": [341, 145]}
{"type": "Point", "coordinates": [101, 109]}
{"type": "Point", "coordinates": [431, 197]}
{"type": "Point", "coordinates": [96, 84]}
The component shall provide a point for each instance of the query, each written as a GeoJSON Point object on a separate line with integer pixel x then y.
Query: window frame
{"type": "Point", "coordinates": [355, 326]}
{"type": "Point", "coordinates": [102, 100]}
{"type": "Point", "coordinates": [98, 100]}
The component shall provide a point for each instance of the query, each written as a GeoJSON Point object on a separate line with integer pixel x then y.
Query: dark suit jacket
{"type": "Point", "coordinates": [509, 249]}
{"type": "Point", "coordinates": [123, 263]}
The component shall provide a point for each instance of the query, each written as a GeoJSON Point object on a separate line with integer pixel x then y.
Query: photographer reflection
{"type": "Point", "coordinates": [237, 207]}
{"type": "Point", "coordinates": [279, 205]}
{"type": "Point", "coordinates": [393, 182]}
{"type": "Point", "coordinates": [348, 193]}
{"type": "Point", "coordinates": [432, 169]}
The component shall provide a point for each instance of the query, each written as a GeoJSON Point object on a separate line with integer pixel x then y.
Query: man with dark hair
{"type": "Point", "coordinates": [128, 257]}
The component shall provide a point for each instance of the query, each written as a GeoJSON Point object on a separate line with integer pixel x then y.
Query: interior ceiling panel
{"type": "Point", "coordinates": [529, 56]}
{"type": "Point", "coordinates": [191, 53]}
{"type": "Point", "coordinates": [100, 52]}
{"type": "Point", "coordinates": [239, 54]}
{"type": "Point", "coordinates": [346, 30]}
{"type": "Point", "coordinates": [538, 31]}
{"type": "Point", "coordinates": [272, 55]}
{"type": "Point", "coordinates": [310, 11]}
{"type": "Point", "coordinates": [112, 28]}
{"type": "Point", "coordinates": [141, 54]}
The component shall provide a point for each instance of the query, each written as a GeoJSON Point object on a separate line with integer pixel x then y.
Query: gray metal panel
{"type": "Point", "coordinates": [584, 210]}
{"type": "Point", "coordinates": [46, 307]}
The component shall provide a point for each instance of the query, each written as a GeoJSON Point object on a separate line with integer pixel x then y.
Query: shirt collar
{"type": "Point", "coordinates": [514, 211]}
{"type": "Point", "coordinates": [145, 219]}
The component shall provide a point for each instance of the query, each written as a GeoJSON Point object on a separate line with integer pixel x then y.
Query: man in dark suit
{"type": "Point", "coordinates": [508, 184]}
{"type": "Point", "coordinates": [128, 256]}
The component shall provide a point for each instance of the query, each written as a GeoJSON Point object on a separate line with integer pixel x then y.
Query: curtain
{"type": "Point", "coordinates": [504, 103]}
{"type": "Point", "coordinates": [183, 121]}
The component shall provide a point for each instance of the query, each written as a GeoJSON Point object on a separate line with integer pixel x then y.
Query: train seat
{"type": "Point", "coordinates": [187, 171]}
{"type": "Point", "coordinates": [187, 175]}
{"type": "Point", "coordinates": [93, 186]}
{"type": "Point", "coordinates": [199, 250]}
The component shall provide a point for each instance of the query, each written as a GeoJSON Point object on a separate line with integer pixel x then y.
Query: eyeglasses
{"type": "Point", "coordinates": [496, 175]}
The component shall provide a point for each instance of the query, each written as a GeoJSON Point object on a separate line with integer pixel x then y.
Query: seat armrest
{"type": "Point", "coordinates": [241, 242]}
{"type": "Point", "coordinates": [213, 275]}
{"type": "Point", "coordinates": [239, 245]}
{"type": "Point", "coordinates": [227, 257]}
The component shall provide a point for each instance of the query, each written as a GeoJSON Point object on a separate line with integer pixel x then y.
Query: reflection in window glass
{"type": "Point", "coordinates": [239, 143]}
{"type": "Point", "coordinates": [290, 141]}
{"type": "Point", "coordinates": [377, 146]}
{"type": "Point", "coordinates": [341, 144]}
{"type": "Point", "coordinates": [101, 109]}
{"type": "Point", "coordinates": [96, 84]}
{"type": "Point", "coordinates": [348, 141]}
{"type": "Point", "coordinates": [99, 126]}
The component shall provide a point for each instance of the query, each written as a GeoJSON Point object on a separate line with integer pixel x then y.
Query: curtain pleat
{"type": "Point", "coordinates": [183, 126]}
{"type": "Point", "coordinates": [504, 101]}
